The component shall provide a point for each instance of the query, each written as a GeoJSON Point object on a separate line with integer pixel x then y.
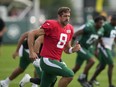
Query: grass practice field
{"type": "Point", "coordinates": [8, 64]}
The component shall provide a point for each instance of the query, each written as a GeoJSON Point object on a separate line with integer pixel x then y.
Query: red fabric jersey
{"type": "Point", "coordinates": [55, 39]}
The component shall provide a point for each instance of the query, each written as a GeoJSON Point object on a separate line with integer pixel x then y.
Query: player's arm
{"type": "Point", "coordinates": [32, 34]}
{"type": "Point", "coordinates": [22, 38]}
{"type": "Point", "coordinates": [99, 41]}
{"type": "Point", "coordinates": [69, 49]}
{"type": "Point", "coordinates": [96, 46]}
{"type": "Point", "coordinates": [101, 33]}
{"type": "Point", "coordinates": [79, 32]}
{"type": "Point", "coordinates": [38, 43]}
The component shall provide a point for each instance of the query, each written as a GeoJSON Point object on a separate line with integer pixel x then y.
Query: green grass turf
{"type": "Point", "coordinates": [8, 64]}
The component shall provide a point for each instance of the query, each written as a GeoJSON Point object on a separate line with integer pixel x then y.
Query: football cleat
{"type": "Point", "coordinates": [3, 84]}
{"type": "Point", "coordinates": [83, 83]}
{"type": "Point", "coordinates": [96, 82]}
{"type": "Point", "coordinates": [34, 85]}
{"type": "Point", "coordinates": [24, 80]}
{"type": "Point", "coordinates": [91, 84]}
{"type": "Point", "coordinates": [112, 86]}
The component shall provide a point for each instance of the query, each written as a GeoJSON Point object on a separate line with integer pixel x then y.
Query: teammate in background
{"type": "Point", "coordinates": [90, 33]}
{"type": "Point", "coordinates": [105, 55]}
{"type": "Point", "coordinates": [93, 49]}
{"type": "Point", "coordinates": [23, 52]}
{"type": "Point", "coordinates": [57, 37]}
{"type": "Point", "coordinates": [2, 31]}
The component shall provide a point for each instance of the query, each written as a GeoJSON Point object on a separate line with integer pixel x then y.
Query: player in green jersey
{"type": "Point", "coordinates": [105, 55]}
{"type": "Point", "coordinates": [90, 33]}
{"type": "Point", "coordinates": [23, 52]}
{"type": "Point", "coordinates": [93, 50]}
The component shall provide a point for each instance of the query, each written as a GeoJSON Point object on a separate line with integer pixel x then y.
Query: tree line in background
{"type": "Point", "coordinates": [50, 7]}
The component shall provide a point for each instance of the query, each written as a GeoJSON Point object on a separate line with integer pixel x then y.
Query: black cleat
{"type": "Point", "coordinates": [91, 84]}
{"type": "Point", "coordinates": [112, 86]}
{"type": "Point", "coordinates": [83, 83]}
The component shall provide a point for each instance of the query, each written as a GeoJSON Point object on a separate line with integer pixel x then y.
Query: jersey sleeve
{"type": "Point", "coordinates": [72, 33]}
{"type": "Point", "coordinates": [48, 27]}
{"type": "Point", "coordinates": [86, 28]}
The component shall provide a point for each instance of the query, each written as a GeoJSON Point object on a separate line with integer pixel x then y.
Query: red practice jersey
{"type": "Point", "coordinates": [55, 39]}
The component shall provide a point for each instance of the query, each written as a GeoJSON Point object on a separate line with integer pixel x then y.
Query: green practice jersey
{"type": "Point", "coordinates": [90, 35]}
{"type": "Point", "coordinates": [109, 35]}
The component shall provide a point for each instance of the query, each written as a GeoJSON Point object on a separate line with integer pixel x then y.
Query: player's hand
{"type": "Point", "coordinates": [77, 47]}
{"type": "Point", "coordinates": [33, 56]}
{"type": "Point", "coordinates": [15, 54]}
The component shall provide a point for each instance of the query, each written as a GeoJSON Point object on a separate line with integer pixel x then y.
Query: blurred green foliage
{"type": "Point", "coordinates": [51, 6]}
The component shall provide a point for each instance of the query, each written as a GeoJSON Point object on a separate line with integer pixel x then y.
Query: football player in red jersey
{"type": "Point", "coordinates": [57, 38]}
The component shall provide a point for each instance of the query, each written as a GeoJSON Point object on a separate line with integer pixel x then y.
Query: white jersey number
{"type": "Point", "coordinates": [113, 34]}
{"type": "Point", "coordinates": [92, 38]}
{"type": "Point", "coordinates": [62, 41]}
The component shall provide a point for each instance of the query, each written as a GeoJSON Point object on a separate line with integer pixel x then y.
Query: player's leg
{"type": "Point", "coordinates": [47, 79]}
{"type": "Point", "coordinates": [100, 67]}
{"type": "Point", "coordinates": [16, 73]}
{"type": "Point", "coordinates": [83, 55]}
{"type": "Point", "coordinates": [109, 61]}
{"type": "Point", "coordinates": [24, 62]}
{"type": "Point", "coordinates": [35, 76]}
{"type": "Point", "coordinates": [110, 71]}
{"type": "Point", "coordinates": [98, 70]}
{"type": "Point", "coordinates": [86, 55]}
{"type": "Point", "coordinates": [79, 61]}
{"type": "Point", "coordinates": [88, 67]}
{"type": "Point", "coordinates": [27, 78]}
{"type": "Point", "coordinates": [67, 77]}
{"type": "Point", "coordinates": [65, 80]}
{"type": "Point", "coordinates": [54, 67]}
{"type": "Point", "coordinates": [36, 80]}
{"type": "Point", "coordinates": [36, 63]}
{"type": "Point", "coordinates": [35, 73]}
